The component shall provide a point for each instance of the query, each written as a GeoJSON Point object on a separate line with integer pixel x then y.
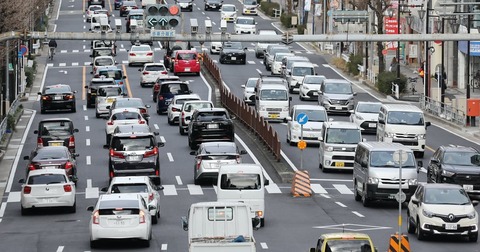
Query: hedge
{"type": "Point", "coordinates": [352, 64]}
{"type": "Point", "coordinates": [267, 8]}
{"type": "Point", "coordinates": [385, 79]}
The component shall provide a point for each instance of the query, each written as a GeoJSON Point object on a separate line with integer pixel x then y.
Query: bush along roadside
{"type": "Point", "coordinates": [267, 8]}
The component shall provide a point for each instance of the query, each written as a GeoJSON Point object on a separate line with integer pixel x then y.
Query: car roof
{"type": "Point", "coordinates": [129, 99]}
{"type": "Point", "coordinates": [141, 45]}
{"type": "Point", "coordinates": [47, 171]}
{"type": "Point", "coordinates": [302, 64]}
{"type": "Point", "coordinates": [401, 107]}
{"type": "Point", "coordinates": [133, 128]}
{"type": "Point", "coordinates": [307, 106]}
{"type": "Point", "coordinates": [186, 51]}
{"type": "Point", "coordinates": [109, 86]}
{"type": "Point", "coordinates": [385, 146]}
{"type": "Point", "coordinates": [56, 119]}
{"type": "Point", "coordinates": [335, 81]}
{"type": "Point", "coordinates": [212, 109]}
{"type": "Point", "coordinates": [341, 125]}
{"type": "Point", "coordinates": [136, 12]}
{"type": "Point", "coordinates": [58, 85]}
{"type": "Point", "coordinates": [108, 68]}
{"type": "Point", "coordinates": [218, 144]}
{"type": "Point", "coordinates": [345, 235]}
{"type": "Point", "coordinates": [458, 148]}
{"type": "Point", "coordinates": [119, 110]}
{"type": "Point", "coordinates": [229, 5]}
{"type": "Point", "coordinates": [130, 179]}
{"type": "Point", "coordinates": [119, 196]}
{"type": "Point", "coordinates": [241, 17]}
{"type": "Point", "coordinates": [154, 64]}
{"type": "Point", "coordinates": [441, 185]}
{"type": "Point", "coordinates": [273, 86]}
{"type": "Point", "coordinates": [186, 96]}
{"type": "Point", "coordinates": [174, 82]}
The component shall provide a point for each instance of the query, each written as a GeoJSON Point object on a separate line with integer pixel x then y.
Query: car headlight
{"type": "Point", "coordinates": [389, 134]}
{"type": "Point", "coordinates": [329, 148]}
{"type": "Point", "coordinates": [412, 182]}
{"type": "Point", "coordinates": [427, 213]}
{"type": "Point", "coordinates": [446, 173]}
{"type": "Point", "coordinates": [262, 108]}
{"type": "Point", "coordinates": [372, 180]}
{"type": "Point", "coordinates": [359, 117]}
{"type": "Point", "coordinates": [326, 100]}
{"type": "Point", "coordinates": [472, 215]}
{"type": "Point", "coordinates": [421, 136]}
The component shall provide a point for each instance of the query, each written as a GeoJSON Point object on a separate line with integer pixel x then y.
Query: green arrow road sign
{"type": "Point", "coordinates": [152, 22]}
{"type": "Point", "coordinates": [162, 22]}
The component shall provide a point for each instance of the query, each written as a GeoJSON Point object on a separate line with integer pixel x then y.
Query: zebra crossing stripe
{"type": "Point", "coordinates": [317, 188]}
{"type": "Point", "coordinates": [195, 189]}
{"type": "Point", "coordinates": [169, 190]}
{"type": "Point", "coordinates": [342, 188]}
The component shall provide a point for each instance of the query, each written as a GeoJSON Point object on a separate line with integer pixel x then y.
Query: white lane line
{"type": "Point", "coordinates": [343, 189]}
{"type": "Point", "coordinates": [86, 118]}
{"type": "Point", "coordinates": [90, 191]}
{"type": "Point", "coordinates": [74, 63]}
{"type": "Point", "coordinates": [87, 128]}
{"type": "Point", "coordinates": [251, 62]}
{"type": "Point", "coordinates": [358, 214]}
{"type": "Point", "coordinates": [84, 107]}
{"type": "Point", "coordinates": [169, 190]}
{"type": "Point", "coordinates": [170, 157]}
{"type": "Point", "coordinates": [13, 197]}
{"type": "Point", "coordinates": [43, 80]}
{"type": "Point", "coordinates": [317, 188]}
{"type": "Point", "coordinates": [87, 142]}
{"type": "Point", "coordinates": [164, 246]}
{"type": "Point", "coordinates": [195, 189]}
{"type": "Point", "coordinates": [209, 98]}
{"type": "Point", "coordinates": [3, 206]}
{"type": "Point", "coordinates": [62, 64]}
{"type": "Point", "coordinates": [340, 204]}
{"type": "Point", "coordinates": [179, 180]}
{"type": "Point", "coordinates": [162, 139]}
{"type": "Point", "coordinates": [60, 248]}
{"type": "Point", "coordinates": [75, 51]}
{"type": "Point", "coordinates": [334, 180]}
{"type": "Point", "coordinates": [88, 160]}
{"type": "Point", "coordinates": [259, 71]}
{"type": "Point", "coordinates": [325, 196]}
{"type": "Point", "coordinates": [156, 126]}
{"type": "Point", "coordinates": [264, 245]}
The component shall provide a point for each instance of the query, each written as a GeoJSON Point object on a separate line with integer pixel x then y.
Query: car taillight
{"type": "Point", "coordinates": [67, 188]}
{"type": "Point", "coordinates": [31, 167]}
{"type": "Point", "coordinates": [68, 97]}
{"type": "Point", "coordinates": [145, 73]}
{"type": "Point", "coordinates": [160, 98]}
{"type": "Point", "coordinates": [150, 54]}
{"type": "Point", "coordinates": [68, 165]}
{"type": "Point", "coordinates": [150, 197]}
{"type": "Point", "coordinates": [46, 98]}
{"type": "Point", "coordinates": [157, 173]}
{"type": "Point", "coordinates": [174, 109]}
{"type": "Point", "coordinates": [27, 190]}
{"type": "Point", "coordinates": [153, 152]}
{"type": "Point", "coordinates": [96, 217]}
{"type": "Point", "coordinates": [141, 217]}
{"type": "Point", "coordinates": [143, 111]}
{"type": "Point", "coordinates": [164, 72]}
{"type": "Point", "coordinates": [116, 154]}
{"type": "Point", "coordinates": [39, 142]}
{"type": "Point", "coordinates": [156, 87]}
{"type": "Point", "coordinates": [120, 83]}
{"type": "Point", "coordinates": [110, 123]}
{"type": "Point", "coordinates": [199, 162]}
{"type": "Point", "coordinates": [141, 122]}
{"type": "Point", "coordinates": [71, 141]}
{"type": "Point", "coordinates": [131, 54]}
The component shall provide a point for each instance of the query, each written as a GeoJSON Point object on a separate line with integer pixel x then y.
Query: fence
{"type": "Point", "coordinates": [11, 111]}
{"type": "Point", "coordinates": [244, 112]}
{"type": "Point", "coordinates": [443, 110]}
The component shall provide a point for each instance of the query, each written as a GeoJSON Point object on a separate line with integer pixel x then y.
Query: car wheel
{"type": "Point", "coordinates": [154, 98]}
{"type": "Point", "coordinates": [365, 199]}
{"type": "Point", "coordinates": [355, 191]}
{"type": "Point", "coordinates": [222, 61]}
{"type": "Point", "coordinates": [93, 244]}
{"type": "Point", "coordinates": [262, 222]}
{"type": "Point", "coordinates": [24, 211]}
{"type": "Point", "coordinates": [473, 237]}
{"type": "Point", "coordinates": [410, 225]}
{"type": "Point", "coordinates": [146, 243]}
{"type": "Point", "coordinates": [42, 111]}
{"type": "Point", "coordinates": [170, 122]}
{"type": "Point", "coordinates": [181, 130]}
{"type": "Point", "coordinates": [191, 144]}
{"type": "Point", "coordinates": [429, 177]}
{"type": "Point", "coordinates": [155, 219]}
{"type": "Point", "coordinates": [257, 55]}
{"type": "Point", "coordinates": [97, 115]}
{"type": "Point", "coordinates": [419, 232]}
{"type": "Point", "coordinates": [290, 90]}
{"type": "Point", "coordinates": [74, 109]}
{"type": "Point", "coordinates": [142, 85]}
{"type": "Point", "coordinates": [325, 170]}
{"type": "Point", "coordinates": [244, 61]}
{"type": "Point", "coordinates": [73, 209]}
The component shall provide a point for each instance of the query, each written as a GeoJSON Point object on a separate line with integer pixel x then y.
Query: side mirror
{"type": "Point", "coordinates": [21, 181]}
{"type": "Point", "coordinates": [288, 118]}
{"type": "Point", "coordinates": [256, 98]}
{"type": "Point", "coordinates": [26, 158]}
{"type": "Point", "coordinates": [124, 77]}
{"type": "Point", "coordinates": [39, 93]}
{"type": "Point", "coordinates": [161, 144]}
{"type": "Point", "coordinates": [415, 201]}
{"type": "Point", "coordinates": [419, 165]}
{"type": "Point", "coordinates": [75, 130]}
{"type": "Point", "coordinates": [147, 106]}
{"type": "Point", "coordinates": [86, 86]}
{"type": "Point", "coordinates": [104, 189]}
{"type": "Point", "coordinates": [106, 146]}
{"type": "Point", "coordinates": [266, 182]}
{"type": "Point", "coordinates": [91, 64]}
{"type": "Point", "coordinates": [90, 208]}
{"type": "Point", "coordinates": [364, 139]}
{"type": "Point", "coordinates": [427, 124]}
{"type": "Point", "coordinates": [156, 133]}
{"type": "Point", "coordinates": [233, 117]}
{"type": "Point", "coordinates": [381, 121]}
{"type": "Point", "coordinates": [354, 93]}
{"type": "Point", "coordinates": [35, 132]}
{"type": "Point", "coordinates": [193, 153]}
{"type": "Point", "coordinates": [150, 208]}
{"type": "Point", "coordinates": [320, 138]}
{"type": "Point", "coordinates": [184, 223]}
{"type": "Point", "coordinates": [243, 152]}
{"type": "Point", "coordinates": [474, 202]}
{"type": "Point", "coordinates": [243, 86]}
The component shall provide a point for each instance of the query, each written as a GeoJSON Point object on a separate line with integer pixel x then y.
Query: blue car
{"type": "Point", "coordinates": [168, 90]}
{"type": "Point", "coordinates": [118, 3]}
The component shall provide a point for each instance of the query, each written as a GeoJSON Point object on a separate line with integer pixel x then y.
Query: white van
{"type": "Point", "coordinates": [376, 172]}
{"type": "Point", "coordinates": [250, 7]}
{"type": "Point", "coordinates": [272, 102]}
{"type": "Point", "coordinates": [244, 183]}
{"type": "Point", "coordinates": [298, 71]}
{"type": "Point", "coordinates": [405, 124]}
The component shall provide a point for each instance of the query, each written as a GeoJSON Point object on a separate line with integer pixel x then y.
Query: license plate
{"type": "Point", "coordinates": [58, 97]}
{"type": "Point", "coordinates": [48, 200]}
{"type": "Point", "coordinates": [315, 93]}
{"type": "Point", "coordinates": [55, 143]}
{"type": "Point", "coordinates": [468, 187]}
{"type": "Point", "coordinates": [134, 158]}
{"type": "Point", "coordinates": [119, 223]}
{"type": "Point", "coordinates": [372, 125]}
{"type": "Point", "coordinates": [247, 11]}
{"type": "Point", "coordinates": [234, 58]}
{"type": "Point", "coordinates": [273, 115]}
{"type": "Point", "coordinates": [212, 126]}
{"type": "Point", "coordinates": [187, 69]}
{"type": "Point", "coordinates": [110, 100]}
{"type": "Point", "coordinates": [333, 108]}
{"type": "Point", "coordinates": [49, 167]}
{"type": "Point", "coordinates": [339, 164]}
{"type": "Point", "coordinates": [451, 226]}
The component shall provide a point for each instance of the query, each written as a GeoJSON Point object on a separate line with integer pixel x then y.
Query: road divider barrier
{"type": "Point", "coordinates": [301, 184]}
{"type": "Point", "coordinates": [394, 245]}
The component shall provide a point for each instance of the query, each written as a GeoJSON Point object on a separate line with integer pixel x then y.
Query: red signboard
{"type": "Point", "coordinates": [391, 27]}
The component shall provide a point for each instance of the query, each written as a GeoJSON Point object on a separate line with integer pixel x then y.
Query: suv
{"type": "Point", "coordinates": [56, 132]}
{"type": "Point", "coordinates": [167, 91]}
{"type": "Point", "coordinates": [134, 154]}
{"type": "Point", "coordinates": [93, 86]}
{"type": "Point", "coordinates": [210, 124]}
{"type": "Point", "coordinates": [337, 96]}
{"type": "Point", "coordinates": [187, 110]}
{"type": "Point", "coordinates": [456, 164]}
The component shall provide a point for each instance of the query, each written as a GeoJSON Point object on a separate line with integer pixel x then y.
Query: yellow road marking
{"type": "Point", "coordinates": [84, 77]}
{"type": "Point", "coordinates": [110, 6]}
{"type": "Point", "coordinates": [130, 94]}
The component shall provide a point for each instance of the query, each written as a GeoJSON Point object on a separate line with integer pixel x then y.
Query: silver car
{"type": "Point", "coordinates": [210, 156]}
{"type": "Point", "coordinates": [337, 96]}
{"type": "Point", "coordinates": [261, 47]}
{"type": "Point", "coordinates": [106, 95]}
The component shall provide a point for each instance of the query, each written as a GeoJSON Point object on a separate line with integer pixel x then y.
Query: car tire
{"type": "Point", "coordinates": [191, 144]}
{"type": "Point", "coordinates": [73, 209]}
{"type": "Point", "coordinates": [155, 218]}
{"type": "Point", "coordinates": [170, 122]}
{"type": "Point", "coordinates": [301, 97]}
{"type": "Point", "coordinates": [356, 195]}
{"type": "Point", "coordinates": [262, 222]}
{"type": "Point", "coordinates": [365, 199]}
{"type": "Point", "coordinates": [244, 61]}
{"type": "Point", "coordinates": [257, 55]}
{"type": "Point", "coordinates": [325, 170]}
{"type": "Point", "coordinates": [74, 109]}
{"type": "Point", "coordinates": [42, 111]}
{"type": "Point", "coordinates": [420, 154]}
{"type": "Point", "coordinates": [181, 131]}
{"type": "Point", "coordinates": [222, 61]}
{"type": "Point", "coordinates": [429, 177]}
{"type": "Point", "coordinates": [24, 211]}
{"type": "Point", "coordinates": [146, 243]}
{"type": "Point", "coordinates": [97, 115]}
{"type": "Point", "coordinates": [410, 226]}
{"type": "Point", "coordinates": [93, 244]}
{"type": "Point", "coordinates": [290, 90]}
{"type": "Point", "coordinates": [473, 237]}
{"type": "Point", "coordinates": [418, 231]}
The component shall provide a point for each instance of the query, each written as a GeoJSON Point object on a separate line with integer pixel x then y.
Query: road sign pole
{"type": "Point", "coordinates": [301, 150]}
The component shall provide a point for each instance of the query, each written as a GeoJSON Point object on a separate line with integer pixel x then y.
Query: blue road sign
{"type": "Point", "coordinates": [20, 54]}
{"type": "Point", "coordinates": [302, 118]}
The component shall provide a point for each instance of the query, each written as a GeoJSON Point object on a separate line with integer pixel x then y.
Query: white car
{"type": "Point", "coordinates": [310, 86]}
{"type": "Point", "coordinates": [215, 47]}
{"type": "Point", "coordinates": [249, 90]}
{"type": "Point", "coordinates": [442, 209]}
{"type": "Point", "coordinates": [173, 110]}
{"type": "Point", "coordinates": [102, 61]}
{"type": "Point", "coordinates": [261, 47]}
{"type": "Point", "coordinates": [120, 216]}
{"type": "Point", "coordinates": [312, 130]}
{"type": "Point", "coordinates": [186, 113]}
{"type": "Point", "coordinates": [228, 12]}
{"type": "Point", "coordinates": [141, 185]}
{"type": "Point", "coordinates": [91, 10]}
{"type": "Point", "coordinates": [140, 54]}
{"type": "Point", "coordinates": [47, 188]}
{"type": "Point", "coordinates": [106, 95]}
{"type": "Point", "coordinates": [122, 116]}
{"type": "Point", "coordinates": [365, 116]}
{"type": "Point", "coordinates": [276, 67]}
{"type": "Point", "coordinates": [150, 73]}
{"type": "Point", "coordinates": [245, 25]}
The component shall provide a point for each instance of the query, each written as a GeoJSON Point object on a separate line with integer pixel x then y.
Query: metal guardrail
{"type": "Point", "coordinates": [244, 112]}
{"type": "Point", "coordinates": [11, 111]}
{"type": "Point", "coordinates": [443, 111]}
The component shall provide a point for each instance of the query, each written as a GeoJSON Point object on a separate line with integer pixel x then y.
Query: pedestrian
{"type": "Point", "coordinates": [393, 65]}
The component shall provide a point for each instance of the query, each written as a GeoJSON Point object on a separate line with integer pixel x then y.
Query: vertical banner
{"type": "Point", "coordinates": [391, 27]}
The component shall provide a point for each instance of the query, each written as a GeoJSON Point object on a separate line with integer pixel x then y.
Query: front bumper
{"type": "Point", "coordinates": [308, 136]}
{"type": "Point", "coordinates": [436, 226]}
{"type": "Point", "coordinates": [338, 160]}
{"type": "Point", "coordinates": [308, 94]}
{"type": "Point", "coordinates": [376, 193]}
{"type": "Point", "coordinates": [338, 108]}
{"type": "Point", "coordinates": [413, 143]}
{"type": "Point", "coordinates": [273, 115]}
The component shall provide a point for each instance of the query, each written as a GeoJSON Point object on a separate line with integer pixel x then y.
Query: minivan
{"type": "Point", "coordinates": [272, 102]}
{"type": "Point", "coordinates": [168, 89]}
{"type": "Point", "coordinates": [376, 171]}
{"type": "Point", "coordinates": [299, 70]}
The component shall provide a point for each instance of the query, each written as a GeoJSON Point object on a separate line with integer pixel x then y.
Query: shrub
{"type": "Point", "coordinates": [354, 61]}
{"type": "Point", "coordinates": [286, 19]}
{"type": "Point", "coordinates": [301, 29]}
{"type": "Point", "coordinates": [385, 79]}
{"type": "Point", "coordinates": [10, 123]}
{"type": "Point", "coordinates": [267, 8]}
{"type": "Point", "coordinates": [339, 63]}
{"type": "Point", "coordinates": [30, 75]}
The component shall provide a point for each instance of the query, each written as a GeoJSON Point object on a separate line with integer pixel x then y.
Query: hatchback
{"type": "Point", "coordinates": [53, 157]}
{"type": "Point", "coordinates": [122, 116]}
{"type": "Point", "coordinates": [151, 72]}
{"type": "Point", "coordinates": [57, 97]}
{"type": "Point", "coordinates": [102, 61]}
{"type": "Point", "coordinates": [56, 132]}
{"type": "Point", "coordinates": [125, 102]}
{"type": "Point", "coordinates": [126, 7]}
{"type": "Point", "coordinates": [173, 111]}
{"type": "Point", "coordinates": [310, 86]}
{"type": "Point", "coordinates": [106, 95]}
{"type": "Point", "coordinates": [167, 91]}
{"type": "Point", "coordinates": [186, 61]}
{"type": "Point", "coordinates": [140, 54]}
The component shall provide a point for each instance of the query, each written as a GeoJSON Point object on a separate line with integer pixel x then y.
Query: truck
{"type": "Point", "coordinates": [219, 227]}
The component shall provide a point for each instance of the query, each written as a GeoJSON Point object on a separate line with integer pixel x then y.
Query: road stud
{"type": "Point", "coordinates": [301, 184]}
{"type": "Point", "coordinates": [394, 245]}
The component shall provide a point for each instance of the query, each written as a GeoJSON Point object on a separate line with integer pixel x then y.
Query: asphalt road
{"type": "Point", "coordinates": [292, 224]}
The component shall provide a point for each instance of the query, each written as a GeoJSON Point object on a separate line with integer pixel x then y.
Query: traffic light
{"type": "Point", "coordinates": [162, 16]}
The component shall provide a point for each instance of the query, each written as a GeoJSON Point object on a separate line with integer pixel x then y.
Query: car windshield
{"type": "Point", "coordinates": [229, 8]}
{"type": "Point", "coordinates": [109, 91]}
{"type": "Point", "coordinates": [60, 128]}
{"type": "Point", "coordinates": [290, 62]}
{"type": "Point", "coordinates": [197, 105]}
{"type": "Point", "coordinates": [343, 136]}
{"type": "Point", "coordinates": [386, 159]}
{"type": "Point", "coordinates": [46, 154]}
{"type": "Point", "coordinates": [129, 188]}
{"type": "Point", "coordinates": [126, 116]}
{"type": "Point", "coordinates": [46, 179]}
{"type": "Point", "coordinates": [338, 88]}
{"type": "Point", "coordinates": [132, 143]}
{"type": "Point", "coordinates": [250, 2]}
{"type": "Point", "coordinates": [446, 196]}
{"type": "Point", "coordinates": [155, 68]}
{"type": "Point", "coordinates": [104, 62]}
{"type": "Point", "coordinates": [233, 45]}
{"type": "Point", "coordinates": [314, 115]}
{"type": "Point", "coordinates": [274, 95]}
{"type": "Point", "coordinates": [141, 49]}
{"type": "Point", "coordinates": [237, 181]}
{"type": "Point", "coordinates": [218, 157]}
{"type": "Point", "coordinates": [350, 245]}
{"type": "Point", "coordinates": [115, 74]}
{"type": "Point", "coordinates": [368, 108]}
{"type": "Point", "coordinates": [275, 50]}
{"type": "Point", "coordinates": [136, 17]}
{"type": "Point", "coordinates": [302, 71]}
{"type": "Point", "coordinates": [313, 80]}
{"type": "Point", "coordinates": [246, 21]}
{"type": "Point", "coordinates": [212, 116]}
{"type": "Point", "coordinates": [129, 3]}
{"type": "Point", "coordinates": [251, 82]}
{"type": "Point", "coordinates": [57, 89]}
{"type": "Point", "coordinates": [128, 104]}
{"type": "Point", "coordinates": [186, 56]}
{"type": "Point", "coordinates": [461, 158]}
{"type": "Point", "coordinates": [407, 118]}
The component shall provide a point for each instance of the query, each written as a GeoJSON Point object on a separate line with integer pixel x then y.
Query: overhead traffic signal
{"type": "Point", "coordinates": [163, 16]}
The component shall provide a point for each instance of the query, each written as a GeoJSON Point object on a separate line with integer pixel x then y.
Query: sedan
{"type": "Point", "coordinates": [53, 157]}
{"type": "Point", "coordinates": [233, 52]}
{"type": "Point", "coordinates": [122, 116]}
{"type": "Point", "coordinates": [140, 54]}
{"type": "Point", "coordinates": [57, 97]}
{"type": "Point", "coordinates": [173, 110]}
{"type": "Point", "coordinates": [47, 188]}
{"type": "Point", "coordinates": [151, 72]}
{"type": "Point", "coordinates": [249, 90]}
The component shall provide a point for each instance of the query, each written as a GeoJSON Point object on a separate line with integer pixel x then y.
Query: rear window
{"type": "Point", "coordinates": [302, 71]}
{"type": "Point", "coordinates": [155, 68]}
{"type": "Point", "coordinates": [219, 149]}
{"type": "Point", "coordinates": [104, 62]}
{"type": "Point", "coordinates": [194, 106]}
{"type": "Point", "coordinates": [132, 143]}
{"type": "Point", "coordinates": [44, 154]}
{"type": "Point", "coordinates": [57, 89]}
{"type": "Point", "coordinates": [60, 128]}
{"type": "Point", "coordinates": [129, 188]}
{"type": "Point", "coordinates": [182, 101]}
{"type": "Point", "coordinates": [186, 56]}
{"type": "Point", "coordinates": [115, 74]}
{"type": "Point", "coordinates": [103, 52]}
{"type": "Point", "coordinates": [209, 116]}
{"type": "Point", "coordinates": [175, 89]}
{"type": "Point", "coordinates": [110, 91]}
{"type": "Point", "coordinates": [101, 83]}
{"type": "Point", "coordinates": [126, 116]}
{"type": "Point", "coordinates": [136, 17]}
{"type": "Point", "coordinates": [236, 181]}
{"type": "Point", "coordinates": [46, 179]}
{"type": "Point", "coordinates": [219, 157]}
{"type": "Point", "coordinates": [128, 104]}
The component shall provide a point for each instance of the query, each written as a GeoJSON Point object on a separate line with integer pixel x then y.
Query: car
{"type": "Point", "coordinates": [112, 72]}
{"type": "Point", "coordinates": [106, 95]}
{"type": "Point", "coordinates": [134, 128]}
{"type": "Point", "coordinates": [186, 61]}
{"type": "Point", "coordinates": [365, 116]}
{"type": "Point", "coordinates": [250, 7]}
{"type": "Point", "coordinates": [102, 61]}
{"type": "Point", "coordinates": [120, 216]}
{"type": "Point", "coordinates": [139, 53]}
{"type": "Point", "coordinates": [249, 90]}
{"type": "Point", "coordinates": [261, 47]}
{"type": "Point", "coordinates": [101, 27]}
{"type": "Point", "coordinates": [276, 67]}
{"type": "Point", "coordinates": [126, 7]}
{"type": "Point", "coordinates": [312, 130]}
{"type": "Point", "coordinates": [173, 110]}
{"type": "Point", "coordinates": [213, 4]}
{"type": "Point", "coordinates": [210, 124]}
{"type": "Point", "coordinates": [171, 50]}
{"type": "Point", "coordinates": [57, 97]}
{"type": "Point", "coordinates": [151, 72]}
{"type": "Point", "coordinates": [117, 4]}
{"type": "Point", "coordinates": [245, 25]}
{"type": "Point", "coordinates": [186, 111]}
{"type": "Point", "coordinates": [134, 14]}
{"type": "Point", "coordinates": [210, 156]}
{"type": "Point", "coordinates": [160, 79]}
{"type": "Point", "coordinates": [53, 157]}
{"type": "Point", "coordinates": [167, 90]}
{"type": "Point", "coordinates": [185, 5]}
{"type": "Point", "coordinates": [47, 188]}
{"type": "Point", "coordinates": [228, 12]}
{"type": "Point", "coordinates": [134, 154]}
{"type": "Point", "coordinates": [121, 116]}
{"type": "Point", "coordinates": [310, 86]}
{"type": "Point", "coordinates": [270, 52]}
{"type": "Point", "coordinates": [337, 96]}
{"type": "Point", "coordinates": [288, 62]}
{"type": "Point", "coordinates": [90, 11]}
{"type": "Point", "coordinates": [93, 86]}
{"type": "Point", "coordinates": [126, 102]}
{"type": "Point", "coordinates": [233, 52]}
{"type": "Point", "coordinates": [56, 132]}
{"type": "Point", "coordinates": [215, 47]}
{"type": "Point", "coordinates": [297, 73]}
{"type": "Point", "coordinates": [102, 51]}
{"type": "Point", "coordinates": [141, 185]}
{"type": "Point", "coordinates": [344, 241]}
{"type": "Point", "coordinates": [456, 164]}
{"type": "Point", "coordinates": [96, 2]}
{"type": "Point", "coordinates": [442, 209]}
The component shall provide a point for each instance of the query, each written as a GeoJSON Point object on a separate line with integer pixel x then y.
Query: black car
{"type": "Point", "coordinates": [92, 87]}
{"type": "Point", "coordinates": [213, 4]}
{"type": "Point", "coordinates": [56, 132]}
{"type": "Point", "coordinates": [57, 97]}
{"type": "Point", "coordinates": [134, 154]}
{"type": "Point", "coordinates": [456, 164]}
{"type": "Point", "coordinates": [167, 90]}
{"type": "Point", "coordinates": [210, 124]}
{"type": "Point", "coordinates": [117, 4]}
{"type": "Point", "coordinates": [233, 52]}
{"type": "Point", "coordinates": [54, 157]}
{"type": "Point", "coordinates": [160, 79]}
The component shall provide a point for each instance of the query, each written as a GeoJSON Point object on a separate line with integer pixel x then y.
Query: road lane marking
{"type": "Point", "coordinates": [164, 246]}
{"type": "Point", "coordinates": [358, 214]}
{"type": "Point", "coordinates": [84, 77]}
{"type": "Point", "coordinates": [87, 128]}
{"type": "Point", "coordinates": [340, 204]}
{"type": "Point", "coordinates": [169, 190]}
{"type": "Point", "coordinates": [195, 189]}
{"type": "Point", "coordinates": [209, 98]}
{"type": "Point", "coordinates": [156, 126]}
{"type": "Point", "coordinates": [60, 248]}
{"type": "Point", "coordinates": [87, 142]}
{"type": "Point", "coordinates": [3, 206]}
{"type": "Point", "coordinates": [317, 188]}
{"type": "Point", "coordinates": [84, 107]}
{"type": "Point", "coordinates": [129, 90]}
{"type": "Point", "coordinates": [162, 139]}
{"type": "Point", "coordinates": [14, 197]}
{"type": "Point", "coordinates": [343, 189]}
{"type": "Point", "coordinates": [179, 180]}
{"type": "Point", "coordinates": [91, 192]}
{"type": "Point", "coordinates": [325, 196]}
{"type": "Point", "coordinates": [88, 160]}
{"type": "Point", "coordinates": [251, 62]}
{"type": "Point", "coordinates": [86, 118]}
{"type": "Point", "coordinates": [335, 180]}
{"type": "Point", "coordinates": [264, 245]}
{"type": "Point", "coordinates": [170, 157]}
{"type": "Point", "coordinates": [259, 71]}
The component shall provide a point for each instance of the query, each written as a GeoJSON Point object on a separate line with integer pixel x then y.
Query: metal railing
{"type": "Point", "coordinates": [11, 111]}
{"type": "Point", "coordinates": [443, 111]}
{"type": "Point", "coordinates": [243, 112]}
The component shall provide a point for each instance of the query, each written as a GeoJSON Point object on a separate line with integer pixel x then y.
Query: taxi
{"type": "Point", "coordinates": [344, 242]}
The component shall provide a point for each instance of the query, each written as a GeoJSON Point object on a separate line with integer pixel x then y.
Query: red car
{"type": "Point", "coordinates": [186, 61]}
{"type": "Point", "coordinates": [53, 157]}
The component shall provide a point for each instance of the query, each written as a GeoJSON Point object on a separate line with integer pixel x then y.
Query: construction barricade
{"type": "Point", "coordinates": [301, 184]}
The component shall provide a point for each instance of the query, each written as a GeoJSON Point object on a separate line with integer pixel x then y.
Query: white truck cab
{"type": "Point", "coordinates": [272, 101]}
